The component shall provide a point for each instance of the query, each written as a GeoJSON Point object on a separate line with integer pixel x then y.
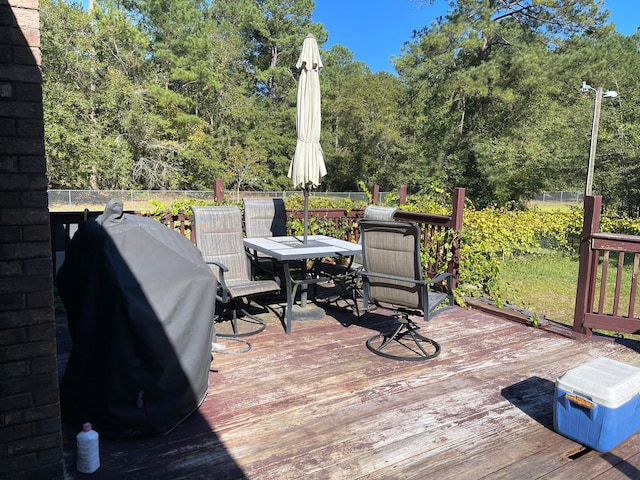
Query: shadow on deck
{"type": "Point", "coordinates": [317, 404]}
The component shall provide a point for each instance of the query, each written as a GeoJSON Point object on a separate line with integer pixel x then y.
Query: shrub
{"type": "Point", "coordinates": [491, 235]}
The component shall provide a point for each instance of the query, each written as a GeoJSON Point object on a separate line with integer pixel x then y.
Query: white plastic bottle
{"type": "Point", "coordinates": [88, 460]}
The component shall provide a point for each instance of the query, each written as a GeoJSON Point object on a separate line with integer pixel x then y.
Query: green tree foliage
{"type": "Point", "coordinates": [276, 36]}
{"type": "Point", "coordinates": [75, 147]}
{"type": "Point", "coordinates": [362, 124]}
{"type": "Point", "coordinates": [176, 93]}
{"type": "Point", "coordinates": [612, 62]}
{"type": "Point", "coordinates": [489, 111]}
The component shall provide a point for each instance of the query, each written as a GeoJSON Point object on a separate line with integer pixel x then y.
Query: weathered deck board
{"type": "Point", "coordinates": [318, 404]}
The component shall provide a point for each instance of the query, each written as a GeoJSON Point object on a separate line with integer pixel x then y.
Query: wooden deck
{"type": "Point", "coordinates": [317, 404]}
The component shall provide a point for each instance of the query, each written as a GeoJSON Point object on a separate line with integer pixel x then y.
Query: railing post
{"type": "Point", "coordinates": [403, 194]}
{"type": "Point", "coordinates": [456, 225]}
{"type": "Point", "coordinates": [218, 190]}
{"type": "Point", "coordinates": [375, 193]}
{"type": "Point", "coordinates": [587, 263]}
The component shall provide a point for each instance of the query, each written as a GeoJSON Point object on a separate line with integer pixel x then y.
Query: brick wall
{"type": "Point", "coordinates": [30, 431]}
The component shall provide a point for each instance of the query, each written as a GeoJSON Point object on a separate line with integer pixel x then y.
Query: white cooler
{"type": "Point", "coordinates": [596, 404]}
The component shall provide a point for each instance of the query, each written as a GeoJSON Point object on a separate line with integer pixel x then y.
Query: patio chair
{"type": "Point", "coordinates": [345, 277]}
{"type": "Point", "coordinates": [392, 278]}
{"type": "Point", "coordinates": [218, 234]}
{"type": "Point", "coordinates": [265, 217]}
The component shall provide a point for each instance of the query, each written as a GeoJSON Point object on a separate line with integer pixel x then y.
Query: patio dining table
{"type": "Point", "coordinates": [292, 248]}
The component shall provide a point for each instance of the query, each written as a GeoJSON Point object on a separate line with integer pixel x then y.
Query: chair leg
{"type": "Point", "coordinates": [230, 345]}
{"type": "Point", "coordinates": [404, 338]}
{"type": "Point", "coordinates": [348, 293]}
{"type": "Point", "coordinates": [256, 324]}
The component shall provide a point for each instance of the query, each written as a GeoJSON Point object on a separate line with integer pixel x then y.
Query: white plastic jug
{"type": "Point", "coordinates": [88, 459]}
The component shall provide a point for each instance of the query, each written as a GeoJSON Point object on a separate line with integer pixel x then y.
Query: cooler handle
{"type": "Point", "coordinates": [580, 401]}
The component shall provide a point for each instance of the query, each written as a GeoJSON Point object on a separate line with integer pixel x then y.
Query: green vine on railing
{"type": "Point", "coordinates": [320, 226]}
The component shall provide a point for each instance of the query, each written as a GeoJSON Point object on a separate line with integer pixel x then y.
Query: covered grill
{"type": "Point", "coordinates": [140, 303]}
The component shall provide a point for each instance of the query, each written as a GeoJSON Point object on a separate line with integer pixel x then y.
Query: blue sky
{"type": "Point", "coordinates": [374, 30]}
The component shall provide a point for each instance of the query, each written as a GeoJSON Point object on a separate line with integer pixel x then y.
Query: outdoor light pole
{"type": "Point", "coordinates": [594, 141]}
{"type": "Point", "coordinates": [594, 129]}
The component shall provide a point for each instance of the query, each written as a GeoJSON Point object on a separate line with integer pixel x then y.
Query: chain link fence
{"type": "Point", "coordinates": [140, 200]}
{"type": "Point", "coordinates": [558, 199]}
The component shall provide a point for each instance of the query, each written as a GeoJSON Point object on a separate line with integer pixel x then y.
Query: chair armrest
{"type": "Point", "coordinates": [221, 266]}
{"type": "Point", "coordinates": [437, 279]}
{"type": "Point", "coordinates": [441, 278]}
{"type": "Point", "coordinates": [223, 286]}
{"type": "Point", "coordinates": [364, 273]}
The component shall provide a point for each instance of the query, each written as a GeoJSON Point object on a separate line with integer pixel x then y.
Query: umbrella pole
{"type": "Point", "coordinates": [307, 311]}
{"type": "Point", "coordinates": [303, 292]}
{"type": "Point", "coordinates": [306, 214]}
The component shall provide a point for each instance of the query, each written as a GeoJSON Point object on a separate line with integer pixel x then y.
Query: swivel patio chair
{"type": "Point", "coordinates": [392, 278]}
{"type": "Point", "coordinates": [345, 277]}
{"type": "Point", "coordinates": [218, 234]}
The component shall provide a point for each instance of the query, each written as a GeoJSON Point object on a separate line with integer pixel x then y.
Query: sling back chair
{"type": "Point", "coordinates": [392, 278]}
{"type": "Point", "coordinates": [345, 277]}
{"type": "Point", "coordinates": [218, 233]}
{"type": "Point", "coordinates": [265, 217]}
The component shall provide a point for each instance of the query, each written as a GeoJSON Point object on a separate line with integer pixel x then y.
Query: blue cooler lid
{"type": "Point", "coordinates": [604, 381]}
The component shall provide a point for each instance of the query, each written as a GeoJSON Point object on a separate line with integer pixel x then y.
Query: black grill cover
{"type": "Point", "coordinates": [140, 305]}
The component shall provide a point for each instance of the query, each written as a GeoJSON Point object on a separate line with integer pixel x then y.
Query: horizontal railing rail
{"type": "Point", "coordinates": [332, 221]}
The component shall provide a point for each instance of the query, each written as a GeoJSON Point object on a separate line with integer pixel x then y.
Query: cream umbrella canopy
{"type": "Point", "coordinates": [307, 166]}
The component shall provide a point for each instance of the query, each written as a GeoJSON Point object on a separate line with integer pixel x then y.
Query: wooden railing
{"type": "Point", "coordinates": [441, 236]}
{"type": "Point", "coordinates": [343, 223]}
{"type": "Point", "coordinates": [440, 233]}
{"type": "Point", "coordinates": [600, 252]}
{"type": "Point", "coordinates": [63, 226]}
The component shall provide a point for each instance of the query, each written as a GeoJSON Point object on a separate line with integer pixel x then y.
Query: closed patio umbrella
{"type": "Point", "coordinates": [307, 166]}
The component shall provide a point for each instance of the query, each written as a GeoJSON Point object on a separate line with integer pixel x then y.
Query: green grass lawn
{"type": "Point", "coordinates": [545, 284]}
{"type": "Point", "coordinates": [551, 206]}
